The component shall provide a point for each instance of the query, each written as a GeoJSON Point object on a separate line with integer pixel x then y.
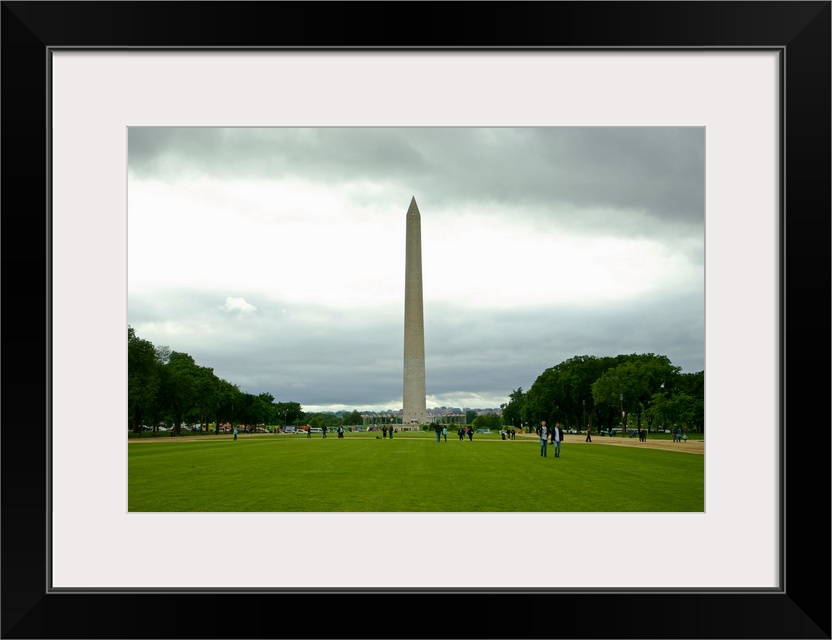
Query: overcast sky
{"type": "Point", "coordinates": [276, 256]}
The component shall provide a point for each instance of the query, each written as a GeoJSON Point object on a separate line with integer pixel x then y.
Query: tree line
{"type": "Point", "coordinates": [594, 393]}
{"type": "Point", "coordinates": [168, 387]}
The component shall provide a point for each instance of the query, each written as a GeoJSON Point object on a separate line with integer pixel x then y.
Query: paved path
{"type": "Point", "coordinates": [691, 446]}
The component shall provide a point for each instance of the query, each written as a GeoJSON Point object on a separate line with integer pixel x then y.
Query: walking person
{"type": "Point", "coordinates": [384, 432]}
{"type": "Point", "coordinates": [445, 433]}
{"type": "Point", "coordinates": [323, 430]}
{"type": "Point", "coordinates": [461, 433]}
{"type": "Point", "coordinates": [235, 434]}
{"type": "Point", "coordinates": [390, 431]}
{"type": "Point", "coordinates": [470, 434]}
{"type": "Point", "coordinates": [438, 429]}
{"type": "Point", "coordinates": [589, 434]}
{"type": "Point", "coordinates": [557, 438]}
{"type": "Point", "coordinates": [543, 432]}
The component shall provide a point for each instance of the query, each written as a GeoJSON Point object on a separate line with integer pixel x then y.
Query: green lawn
{"type": "Point", "coordinates": [410, 473]}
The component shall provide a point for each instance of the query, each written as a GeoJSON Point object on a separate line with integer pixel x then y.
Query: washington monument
{"type": "Point", "coordinates": [414, 411]}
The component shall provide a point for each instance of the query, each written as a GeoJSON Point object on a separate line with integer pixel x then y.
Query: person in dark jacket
{"type": "Point", "coordinates": [557, 438]}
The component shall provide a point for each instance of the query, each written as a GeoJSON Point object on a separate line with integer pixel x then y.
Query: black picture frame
{"type": "Point", "coordinates": [800, 31]}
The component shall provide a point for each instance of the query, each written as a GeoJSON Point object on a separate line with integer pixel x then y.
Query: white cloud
{"type": "Point", "coordinates": [239, 305]}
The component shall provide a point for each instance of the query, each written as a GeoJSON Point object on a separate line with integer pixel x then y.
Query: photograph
{"type": "Point", "coordinates": [285, 282]}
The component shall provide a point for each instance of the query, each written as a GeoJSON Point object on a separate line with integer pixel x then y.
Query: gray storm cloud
{"type": "Point", "coordinates": [655, 171]}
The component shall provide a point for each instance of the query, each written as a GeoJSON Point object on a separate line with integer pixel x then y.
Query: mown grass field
{"type": "Point", "coordinates": [411, 473]}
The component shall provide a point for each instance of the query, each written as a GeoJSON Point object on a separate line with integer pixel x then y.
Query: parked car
{"type": "Point", "coordinates": [315, 430]}
{"type": "Point", "coordinates": [571, 431]}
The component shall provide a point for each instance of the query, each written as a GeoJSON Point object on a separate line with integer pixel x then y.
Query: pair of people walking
{"type": "Point", "coordinates": [556, 435]}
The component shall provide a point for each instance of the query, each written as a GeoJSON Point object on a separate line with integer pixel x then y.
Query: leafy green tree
{"type": "Point", "coordinates": [206, 388]}
{"type": "Point", "coordinates": [324, 419]}
{"type": "Point", "coordinates": [143, 377]}
{"type": "Point", "coordinates": [353, 418]}
{"type": "Point", "coordinates": [693, 385]}
{"type": "Point", "coordinates": [585, 389]}
{"type": "Point", "coordinates": [159, 409]}
{"type": "Point", "coordinates": [542, 399]}
{"type": "Point", "coordinates": [470, 416]}
{"type": "Point", "coordinates": [166, 384]}
{"type": "Point", "coordinates": [318, 420]}
{"type": "Point", "coordinates": [513, 409]}
{"type": "Point", "coordinates": [618, 388]}
{"type": "Point", "coordinates": [488, 421]}
{"type": "Point", "coordinates": [290, 413]}
{"type": "Point", "coordinates": [253, 410]}
{"type": "Point", "coordinates": [581, 372]}
{"type": "Point", "coordinates": [678, 409]}
{"type": "Point", "coordinates": [271, 408]}
{"type": "Point", "coordinates": [654, 372]}
{"type": "Point", "coordinates": [181, 386]}
{"type": "Point", "coordinates": [630, 386]}
{"type": "Point", "coordinates": [227, 393]}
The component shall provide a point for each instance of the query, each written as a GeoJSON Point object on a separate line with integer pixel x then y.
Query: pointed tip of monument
{"type": "Point", "coordinates": [413, 208]}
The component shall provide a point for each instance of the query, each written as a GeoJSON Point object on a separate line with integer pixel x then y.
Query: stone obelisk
{"type": "Point", "coordinates": [414, 405]}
